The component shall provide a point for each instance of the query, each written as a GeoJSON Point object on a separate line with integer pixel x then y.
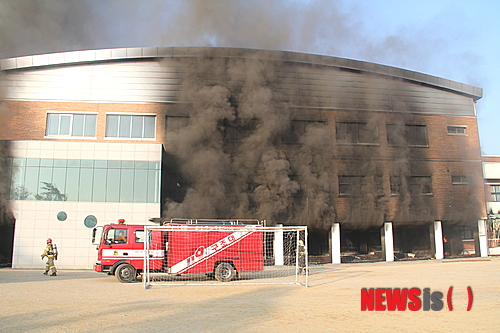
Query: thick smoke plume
{"type": "Point", "coordinates": [240, 152]}
{"type": "Point", "coordinates": [231, 156]}
{"type": "Point", "coordinates": [229, 152]}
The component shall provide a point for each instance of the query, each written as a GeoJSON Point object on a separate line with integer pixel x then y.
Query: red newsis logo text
{"type": "Point", "coordinates": [402, 299]}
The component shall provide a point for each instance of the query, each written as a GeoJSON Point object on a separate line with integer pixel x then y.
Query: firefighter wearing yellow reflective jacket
{"type": "Point", "coordinates": [51, 253]}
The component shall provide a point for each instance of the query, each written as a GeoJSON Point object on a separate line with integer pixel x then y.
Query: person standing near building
{"type": "Point", "coordinates": [302, 257]}
{"type": "Point", "coordinates": [51, 253]}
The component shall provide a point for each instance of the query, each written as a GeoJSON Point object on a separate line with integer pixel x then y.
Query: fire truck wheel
{"type": "Point", "coordinates": [125, 273]}
{"type": "Point", "coordinates": [225, 272]}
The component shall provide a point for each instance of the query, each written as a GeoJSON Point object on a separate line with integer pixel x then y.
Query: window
{"type": "Point", "coordinates": [90, 221]}
{"type": "Point", "coordinates": [85, 180]}
{"type": "Point", "coordinates": [173, 124]}
{"type": "Point", "coordinates": [456, 130]}
{"type": "Point", "coordinates": [495, 193]}
{"type": "Point", "coordinates": [421, 185]}
{"type": "Point", "coordinates": [459, 179]}
{"type": "Point", "coordinates": [395, 185]}
{"type": "Point", "coordinates": [357, 133]}
{"type": "Point", "coordinates": [411, 135]}
{"type": "Point", "coordinates": [139, 236]}
{"type": "Point", "coordinates": [116, 236]}
{"type": "Point", "coordinates": [416, 135]}
{"type": "Point", "coordinates": [298, 128]}
{"type": "Point", "coordinates": [234, 132]}
{"type": "Point", "coordinates": [130, 126]}
{"type": "Point", "coordinates": [351, 185]}
{"type": "Point", "coordinates": [358, 185]}
{"type": "Point", "coordinates": [71, 125]}
{"type": "Point", "coordinates": [467, 233]}
{"type": "Point", "coordinates": [62, 216]}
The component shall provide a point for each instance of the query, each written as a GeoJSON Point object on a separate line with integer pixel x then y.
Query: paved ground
{"type": "Point", "coordinates": [84, 301]}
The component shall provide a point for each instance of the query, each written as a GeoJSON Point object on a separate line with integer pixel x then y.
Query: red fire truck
{"type": "Point", "coordinates": [221, 254]}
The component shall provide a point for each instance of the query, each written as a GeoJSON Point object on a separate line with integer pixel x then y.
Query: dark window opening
{"type": "Point", "coordinates": [357, 133]}
{"type": "Point", "coordinates": [237, 131]}
{"type": "Point", "coordinates": [459, 179]}
{"type": "Point", "coordinates": [395, 185]}
{"type": "Point", "coordinates": [298, 128]}
{"type": "Point", "coordinates": [173, 124]}
{"type": "Point", "coordinates": [359, 185]}
{"type": "Point", "coordinates": [457, 130]}
{"type": "Point", "coordinates": [351, 185]}
{"type": "Point", "coordinates": [411, 135]}
{"type": "Point", "coordinates": [467, 233]}
{"type": "Point", "coordinates": [421, 185]}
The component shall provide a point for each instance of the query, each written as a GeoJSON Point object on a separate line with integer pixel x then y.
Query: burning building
{"type": "Point", "coordinates": [374, 155]}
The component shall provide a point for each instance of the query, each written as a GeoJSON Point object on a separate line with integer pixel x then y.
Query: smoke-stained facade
{"type": "Point", "coordinates": [295, 139]}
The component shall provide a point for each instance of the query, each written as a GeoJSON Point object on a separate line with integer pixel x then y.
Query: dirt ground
{"type": "Point", "coordinates": [85, 301]}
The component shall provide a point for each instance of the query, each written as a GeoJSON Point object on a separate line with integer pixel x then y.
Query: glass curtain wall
{"type": "Point", "coordinates": [85, 180]}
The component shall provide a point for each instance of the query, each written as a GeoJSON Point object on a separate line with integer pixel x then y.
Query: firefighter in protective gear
{"type": "Point", "coordinates": [302, 256]}
{"type": "Point", "coordinates": [51, 253]}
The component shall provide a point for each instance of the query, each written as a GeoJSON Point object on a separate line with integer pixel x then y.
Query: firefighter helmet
{"type": "Point", "coordinates": [49, 240]}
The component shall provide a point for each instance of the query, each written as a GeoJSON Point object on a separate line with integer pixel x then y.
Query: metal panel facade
{"type": "Point", "coordinates": [153, 75]}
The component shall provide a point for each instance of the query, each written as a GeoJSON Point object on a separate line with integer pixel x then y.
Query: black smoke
{"type": "Point", "coordinates": [229, 152]}
{"type": "Point", "coordinates": [253, 173]}
{"type": "Point", "coordinates": [247, 150]}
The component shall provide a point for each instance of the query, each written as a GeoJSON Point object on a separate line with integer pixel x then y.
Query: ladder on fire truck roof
{"type": "Point", "coordinates": [162, 221]}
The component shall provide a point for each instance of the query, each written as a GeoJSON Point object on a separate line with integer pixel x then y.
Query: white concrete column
{"type": "Point", "coordinates": [483, 237]}
{"type": "Point", "coordinates": [438, 240]}
{"type": "Point", "coordinates": [388, 242]}
{"type": "Point", "coordinates": [335, 236]}
{"type": "Point", "coordinates": [279, 257]}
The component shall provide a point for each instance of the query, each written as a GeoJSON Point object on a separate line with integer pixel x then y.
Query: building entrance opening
{"type": "Point", "coordinates": [318, 246]}
{"type": "Point", "coordinates": [361, 245]}
{"type": "Point", "coordinates": [6, 240]}
{"type": "Point", "coordinates": [460, 241]}
{"type": "Point", "coordinates": [413, 242]}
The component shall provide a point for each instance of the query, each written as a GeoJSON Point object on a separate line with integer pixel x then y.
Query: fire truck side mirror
{"type": "Point", "coordinates": [96, 235]}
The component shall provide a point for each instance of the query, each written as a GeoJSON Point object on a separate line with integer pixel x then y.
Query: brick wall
{"type": "Point", "coordinates": [29, 118]}
{"type": "Point", "coordinates": [445, 155]}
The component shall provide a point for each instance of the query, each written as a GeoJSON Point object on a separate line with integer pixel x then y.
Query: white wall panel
{"type": "Point", "coordinates": [92, 150]}
{"type": "Point", "coordinates": [143, 81]}
{"type": "Point", "coordinates": [137, 75]}
{"type": "Point", "coordinates": [491, 170]}
{"type": "Point", "coordinates": [72, 237]}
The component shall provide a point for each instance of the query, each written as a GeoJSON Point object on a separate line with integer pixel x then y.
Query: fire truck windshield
{"type": "Point", "coordinates": [116, 236]}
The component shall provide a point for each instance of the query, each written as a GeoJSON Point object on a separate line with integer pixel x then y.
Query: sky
{"type": "Point", "coordinates": [454, 39]}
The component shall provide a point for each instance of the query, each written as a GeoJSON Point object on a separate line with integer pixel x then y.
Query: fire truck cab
{"type": "Point", "coordinates": [120, 249]}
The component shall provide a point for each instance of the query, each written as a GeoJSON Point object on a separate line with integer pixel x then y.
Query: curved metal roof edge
{"type": "Point", "coordinates": [86, 56]}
